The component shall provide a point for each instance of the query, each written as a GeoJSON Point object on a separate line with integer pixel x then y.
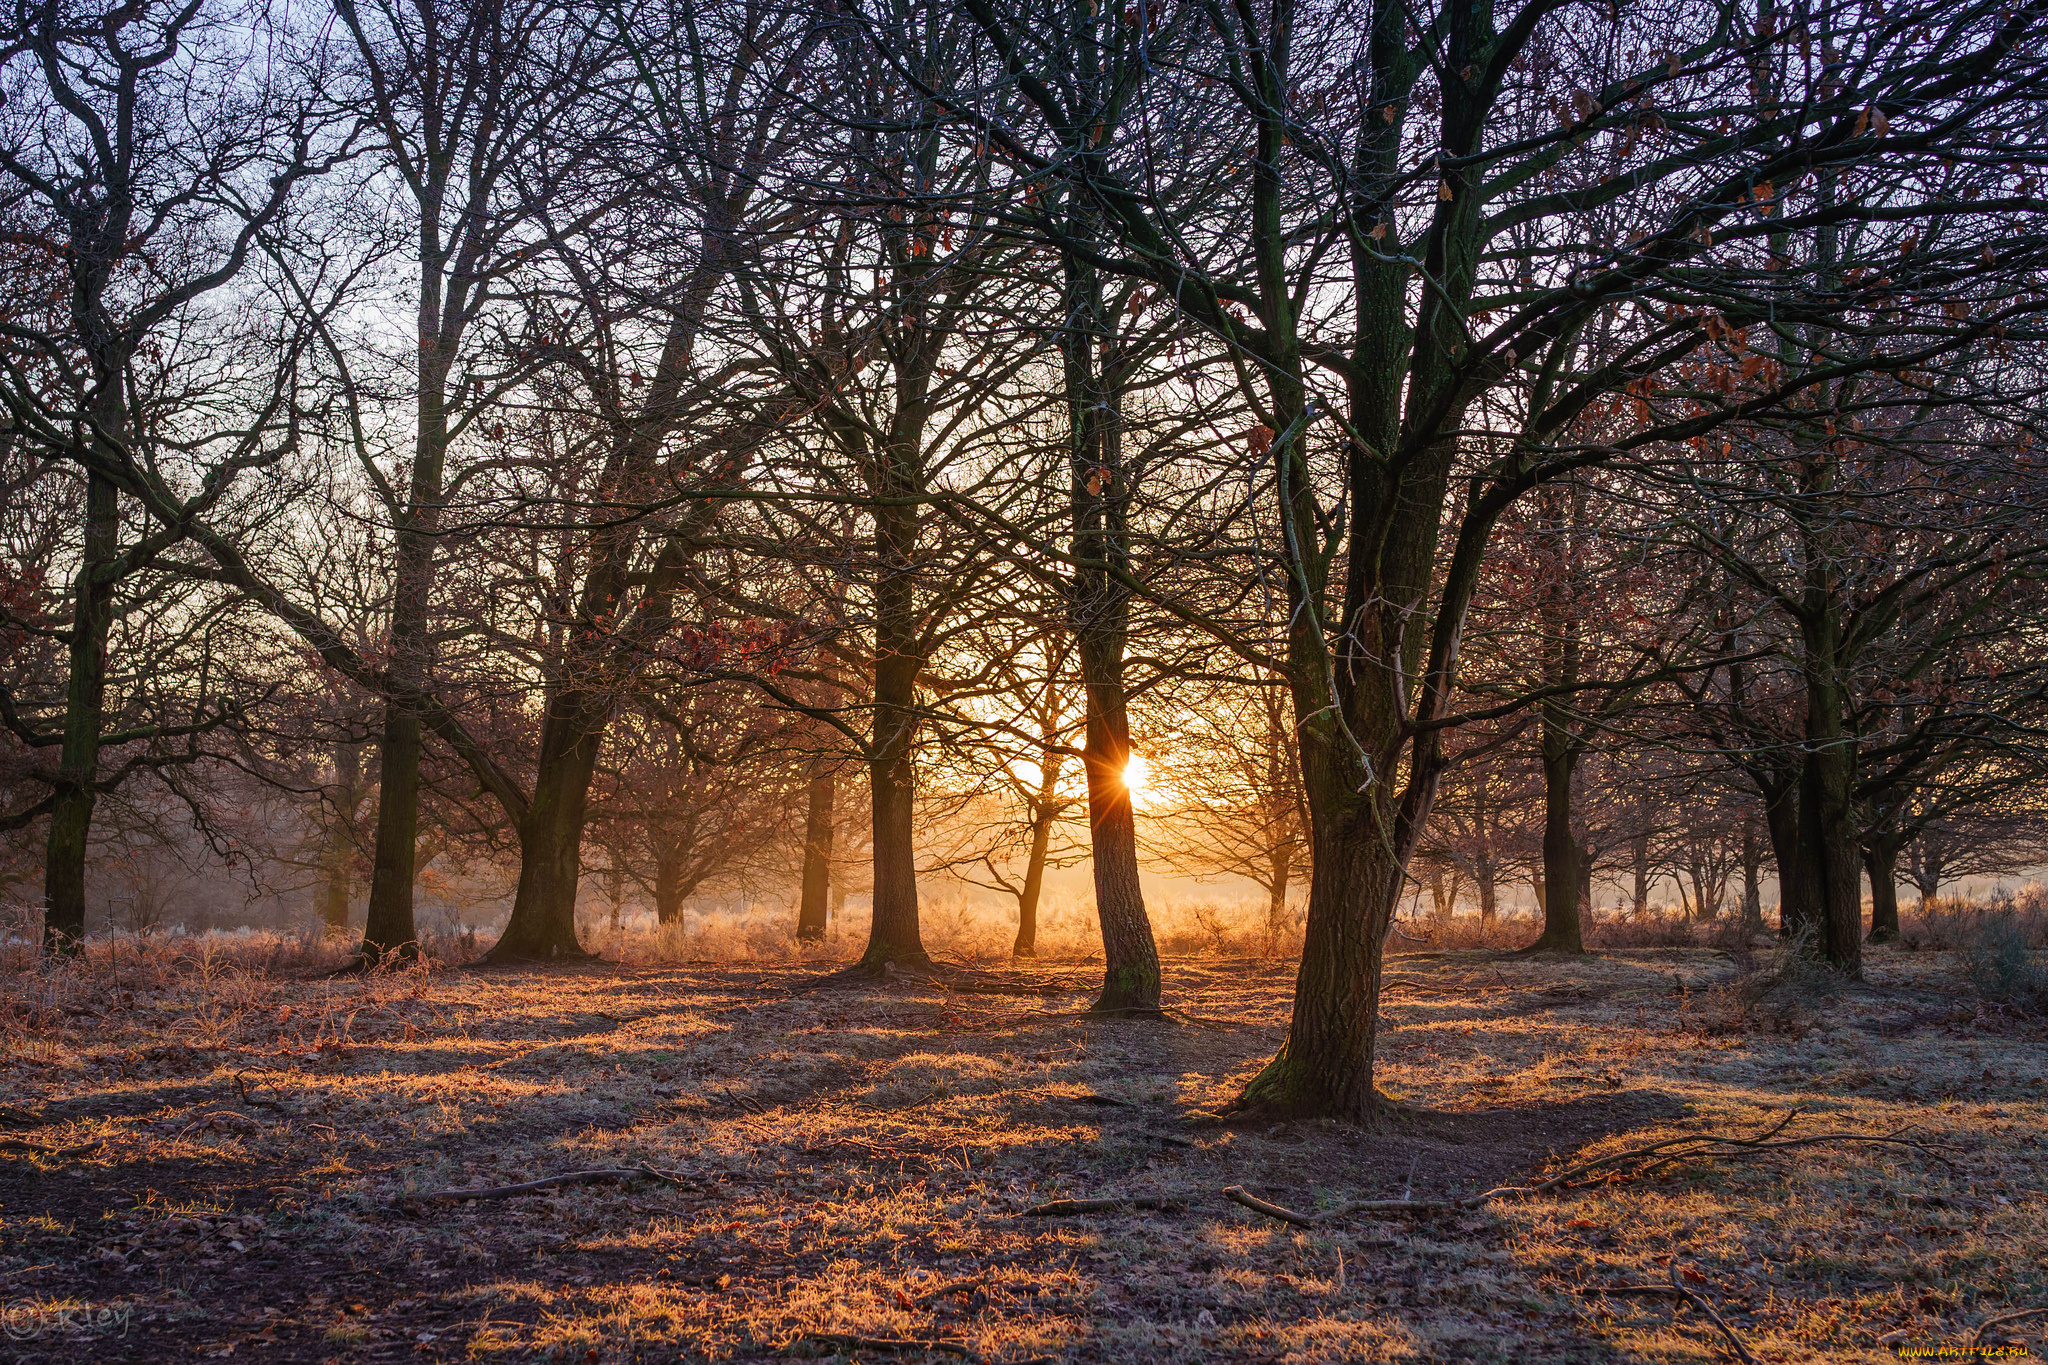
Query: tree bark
{"type": "Point", "coordinates": [388, 923]}
{"type": "Point", "coordinates": [817, 871]}
{"type": "Point", "coordinates": [1881, 861]}
{"type": "Point", "coordinates": [543, 922]}
{"type": "Point", "coordinates": [1560, 884]}
{"type": "Point", "coordinates": [338, 858]}
{"type": "Point", "coordinates": [1326, 1065]}
{"type": "Point", "coordinates": [84, 706]}
{"type": "Point", "coordinates": [1043, 812]}
{"type": "Point", "coordinates": [668, 883]}
{"type": "Point", "coordinates": [1100, 612]}
{"type": "Point", "coordinates": [1752, 876]}
{"type": "Point", "coordinates": [1276, 898]}
{"type": "Point", "coordinates": [1798, 889]}
{"type": "Point", "coordinates": [1131, 978]}
{"type": "Point", "coordinates": [1827, 814]}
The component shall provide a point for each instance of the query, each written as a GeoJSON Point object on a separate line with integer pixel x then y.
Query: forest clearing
{"type": "Point", "coordinates": [631, 632]}
{"type": "Point", "coordinates": [236, 1163]}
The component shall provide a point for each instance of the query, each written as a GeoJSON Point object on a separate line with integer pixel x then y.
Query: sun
{"type": "Point", "coordinates": [1138, 781]}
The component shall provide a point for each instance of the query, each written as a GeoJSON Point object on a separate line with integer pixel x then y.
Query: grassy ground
{"type": "Point", "coordinates": [855, 1164]}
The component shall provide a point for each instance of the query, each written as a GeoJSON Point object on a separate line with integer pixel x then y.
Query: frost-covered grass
{"type": "Point", "coordinates": [854, 1161]}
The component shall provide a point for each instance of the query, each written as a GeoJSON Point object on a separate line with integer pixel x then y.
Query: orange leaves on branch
{"type": "Point", "coordinates": [1259, 439]}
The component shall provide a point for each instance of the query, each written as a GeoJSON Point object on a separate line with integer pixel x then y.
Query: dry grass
{"type": "Point", "coordinates": [854, 1163]}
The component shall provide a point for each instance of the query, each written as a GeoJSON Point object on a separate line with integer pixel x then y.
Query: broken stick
{"type": "Point", "coordinates": [1236, 1194]}
{"type": "Point", "coordinates": [242, 1084]}
{"type": "Point", "coordinates": [1701, 1302]}
{"type": "Point", "coordinates": [38, 1149]}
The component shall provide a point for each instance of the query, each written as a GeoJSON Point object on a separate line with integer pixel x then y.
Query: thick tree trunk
{"type": "Point", "coordinates": [1828, 826]}
{"type": "Point", "coordinates": [92, 616]}
{"type": "Point", "coordinates": [543, 923]}
{"type": "Point", "coordinates": [817, 872]}
{"type": "Point", "coordinates": [1560, 896]}
{"type": "Point", "coordinates": [668, 883]}
{"type": "Point", "coordinates": [1798, 889]}
{"type": "Point", "coordinates": [1639, 856]}
{"type": "Point", "coordinates": [1326, 1065]}
{"type": "Point", "coordinates": [388, 923]}
{"type": "Point", "coordinates": [1489, 895]}
{"type": "Point", "coordinates": [893, 936]}
{"type": "Point", "coordinates": [1881, 861]}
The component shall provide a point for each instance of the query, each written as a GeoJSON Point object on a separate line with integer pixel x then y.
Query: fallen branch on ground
{"type": "Point", "coordinates": [1655, 1291]}
{"type": "Point", "coordinates": [950, 1287]}
{"type": "Point", "coordinates": [1989, 1323]}
{"type": "Point", "coordinates": [1066, 1208]}
{"type": "Point", "coordinates": [555, 1181]}
{"type": "Point", "coordinates": [1651, 1157]}
{"type": "Point", "coordinates": [1236, 1194]}
{"type": "Point", "coordinates": [1701, 1302]}
{"type": "Point", "coordinates": [242, 1084]}
{"type": "Point", "coordinates": [38, 1149]}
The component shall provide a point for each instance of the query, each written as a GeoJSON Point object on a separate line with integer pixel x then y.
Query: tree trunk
{"type": "Point", "coordinates": [668, 883]}
{"type": "Point", "coordinates": [1099, 609]}
{"type": "Point", "coordinates": [1276, 898]}
{"type": "Point", "coordinates": [1827, 821]}
{"type": "Point", "coordinates": [893, 936]}
{"type": "Point", "coordinates": [1539, 884]}
{"type": "Point", "coordinates": [388, 924]}
{"type": "Point", "coordinates": [1130, 977]}
{"type": "Point", "coordinates": [1798, 890]}
{"type": "Point", "coordinates": [338, 858]}
{"type": "Point", "coordinates": [1560, 897]}
{"type": "Point", "coordinates": [1034, 876]}
{"type": "Point", "coordinates": [84, 704]}
{"type": "Point", "coordinates": [1752, 879]}
{"type": "Point", "coordinates": [1881, 861]}
{"type": "Point", "coordinates": [817, 873]}
{"type": "Point", "coordinates": [1489, 901]}
{"type": "Point", "coordinates": [543, 923]}
{"type": "Point", "coordinates": [1326, 1065]}
{"type": "Point", "coordinates": [1640, 856]}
